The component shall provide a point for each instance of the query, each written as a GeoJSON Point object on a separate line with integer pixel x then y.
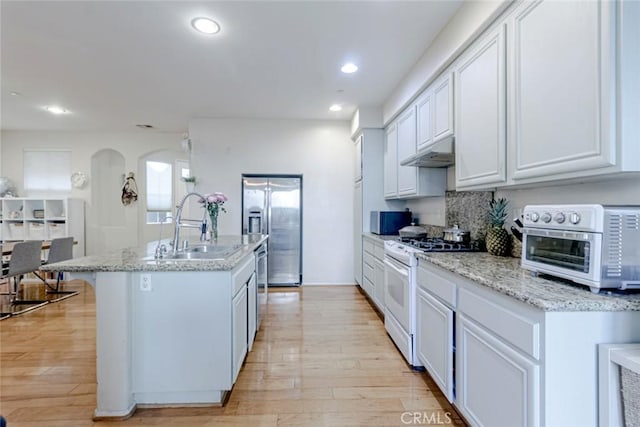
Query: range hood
{"type": "Point", "coordinates": [439, 155]}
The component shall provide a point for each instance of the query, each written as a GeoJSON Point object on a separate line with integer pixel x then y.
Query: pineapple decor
{"type": "Point", "coordinates": [497, 237]}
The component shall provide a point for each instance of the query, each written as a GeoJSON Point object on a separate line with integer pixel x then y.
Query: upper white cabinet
{"type": "Point", "coordinates": [407, 176]}
{"type": "Point", "coordinates": [404, 182]}
{"type": "Point", "coordinates": [391, 161]}
{"type": "Point", "coordinates": [480, 113]}
{"type": "Point", "coordinates": [561, 87]}
{"type": "Point", "coordinates": [434, 112]}
{"type": "Point", "coordinates": [443, 107]}
{"type": "Point", "coordinates": [565, 108]}
{"type": "Point", "coordinates": [424, 115]}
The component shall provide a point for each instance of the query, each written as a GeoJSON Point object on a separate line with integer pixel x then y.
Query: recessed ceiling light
{"type": "Point", "coordinates": [205, 25]}
{"type": "Point", "coordinates": [55, 109]}
{"type": "Point", "coordinates": [16, 93]}
{"type": "Point", "coordinates": [349, 68]}
{"type": "Point", "coordinates": [335, 107]}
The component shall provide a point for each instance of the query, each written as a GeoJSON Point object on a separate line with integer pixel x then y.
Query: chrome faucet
{"type": "Point", "coordinates": [176, 232]}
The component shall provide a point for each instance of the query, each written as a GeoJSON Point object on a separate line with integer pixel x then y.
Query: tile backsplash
{"type": "Point", "coordinates": [468, 209]}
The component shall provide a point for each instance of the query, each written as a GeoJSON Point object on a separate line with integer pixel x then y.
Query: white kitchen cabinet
{"type": "Point", "coordinates": [378, 270]}
{"type": "Point", "coordinates": [434, 112]}
{"type": "Point", "coordinates": [407, 175]}
{"type": "Point", "coordinates": [42, 219]}
{"type": "Point", "coordinates": [561, 93]}
{"type": "Point", "coordinates": [497, 386]}
{"type": "Point", "coordinates": [566, 109]}
{"type": "Point", "coordinates": [252, 311]}
{"type": "Point", "coordinates": [239, 327]}
{"type": "Point", "coordinates": [373, 270]}
{"type": "Point", "coordinates": [443, 107]}
{"type": "Point", "coordinates": [435, 340]}
{"type": "Point", "coordinates": [409, 181]}
{"type": "Point", "coordinates": [391, 161]}
{"type": "Point", "coordinates": [480, 115]}
{"type": "Point", "coordinates": [368, 191]}
{"type": "Point", "coordinates": [424, 119]}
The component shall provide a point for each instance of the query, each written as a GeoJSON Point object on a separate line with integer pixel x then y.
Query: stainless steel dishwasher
{"type": "Point", "coordinates": [261, 254]}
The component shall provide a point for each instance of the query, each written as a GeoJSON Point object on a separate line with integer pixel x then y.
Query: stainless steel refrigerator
{"type": "Point", "coordinates": [272, 204]}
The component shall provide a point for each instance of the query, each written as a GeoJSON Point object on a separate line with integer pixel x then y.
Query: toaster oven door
{"type": "Point", "coordinates": [572, 255]}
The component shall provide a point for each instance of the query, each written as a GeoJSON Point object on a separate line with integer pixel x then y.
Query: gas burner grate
{"type": "Point", "coordinates": [435, 244]}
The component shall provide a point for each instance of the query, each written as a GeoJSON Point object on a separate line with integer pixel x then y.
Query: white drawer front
{"type": "Point", "coordinates": [519, 331]}
{"type": "Point", "coordinates": [368, 246]}
{"type": "Point", "coordinates": [368, 267]}
{"type": "Point", "coordinates": [441, 287]}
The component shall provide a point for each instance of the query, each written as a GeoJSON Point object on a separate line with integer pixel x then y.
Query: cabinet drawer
{"type": "Point", "coordinates": [368, 267]}
{"type": "Point", "coordinates": [379, 252]}
{"type": "Point", "coordinates": [519, 331]}
{"type": "Point", "coordinates": [442, 287]}
{"type": "Point", "coordinates": [243, 273]}
{"type": "Point", "coordinates": [368, 246]}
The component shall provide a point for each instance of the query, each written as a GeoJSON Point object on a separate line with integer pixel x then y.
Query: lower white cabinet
{"type": "Point", "coordinates": [435, 340]}
{"type": "Point", "coordinates": [373, 270]}
{"type": "Point", "coordinates": [252, 311]}
{"type": "Point", "coordinates": [239, 327]}
{"type": "Point", "coordinates": [496, 385]}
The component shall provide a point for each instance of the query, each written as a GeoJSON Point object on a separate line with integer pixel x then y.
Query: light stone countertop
{"type": "Point", "coordinates": [141, 259]}
{"type": "Point", "coordinates": [504, 275]}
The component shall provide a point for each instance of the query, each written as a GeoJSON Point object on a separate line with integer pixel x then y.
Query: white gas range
{"type": "Point", "coordinates": [400, 265]}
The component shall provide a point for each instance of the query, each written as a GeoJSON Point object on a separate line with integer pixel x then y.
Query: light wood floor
{"type": "Point", "coordinates": [321, 358]}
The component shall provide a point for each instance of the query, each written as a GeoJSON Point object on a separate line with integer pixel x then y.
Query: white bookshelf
{"type": "Point", "coordinates": [42, 219]}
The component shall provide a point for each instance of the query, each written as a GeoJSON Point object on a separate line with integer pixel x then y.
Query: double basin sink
{"type": "Point", "coordinates": [204, 252]}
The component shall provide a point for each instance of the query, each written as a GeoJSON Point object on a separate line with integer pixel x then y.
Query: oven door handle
{"type": "Point", "coordinates": [390, 264]}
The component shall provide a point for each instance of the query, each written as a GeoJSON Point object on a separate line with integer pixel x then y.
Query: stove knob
{"type": "Point", "coordinates": [534, 216]}
{"type": "Point", "coordinates": [546, 217]}
{"type": "Point", "coordinates": [559, 218]}
{"type": "Point", "coordinates": [574, 218]}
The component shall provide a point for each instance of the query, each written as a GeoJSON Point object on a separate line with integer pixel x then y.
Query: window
{"type": "Point", "coordinates": [47, 171]}
{"type": "Point", "coordinates": [159, 192]}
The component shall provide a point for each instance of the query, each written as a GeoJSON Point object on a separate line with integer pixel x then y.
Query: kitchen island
{"type": "Point", "coordinates": [169, 332]}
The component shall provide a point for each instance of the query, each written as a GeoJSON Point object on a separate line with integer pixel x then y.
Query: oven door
{"type": "Point", "coordinates": [397, 291]}
{"type": "Point", "coordinates": [572, 255]}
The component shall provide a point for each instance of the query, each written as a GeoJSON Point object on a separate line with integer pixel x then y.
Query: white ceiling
{"type": "Point", "coordinates": [115, 64]}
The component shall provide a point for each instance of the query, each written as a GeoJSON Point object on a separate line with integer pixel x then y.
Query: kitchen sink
{"type": "Point", "coordinates": [199, 253]}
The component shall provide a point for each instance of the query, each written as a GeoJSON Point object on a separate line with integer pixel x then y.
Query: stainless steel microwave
{"type": "Point", "coordinates": [389, 222]}
{"type": "Point", "coordinates": [594, 245]}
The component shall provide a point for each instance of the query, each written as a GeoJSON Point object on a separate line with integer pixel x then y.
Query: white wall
{"type": "Point", "coordinates": [322, 151]}
{"type": "Point", "coordinates": [132, 145]}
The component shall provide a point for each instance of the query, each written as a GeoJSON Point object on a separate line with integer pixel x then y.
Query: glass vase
{"type": "Point", "coordinates": [214, 228]}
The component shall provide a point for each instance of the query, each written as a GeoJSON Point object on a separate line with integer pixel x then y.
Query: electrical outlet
{"type": "Point", "coordinates": [145, 282]}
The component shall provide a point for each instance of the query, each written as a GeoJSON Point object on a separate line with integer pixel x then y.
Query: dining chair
{"type": "Point", "coordinates": [61, 250]}
{"type": "Point", "coordinates": [25, 258]}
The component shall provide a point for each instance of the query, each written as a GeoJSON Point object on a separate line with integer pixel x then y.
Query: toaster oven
{"type": "Point", "coordinates": [593, 245]}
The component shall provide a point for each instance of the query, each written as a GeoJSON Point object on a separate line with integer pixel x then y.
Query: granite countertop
{"type": "Point", "coordinates": [141, 259]}
{"type": "Point", "coordinates": [505, 275]}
